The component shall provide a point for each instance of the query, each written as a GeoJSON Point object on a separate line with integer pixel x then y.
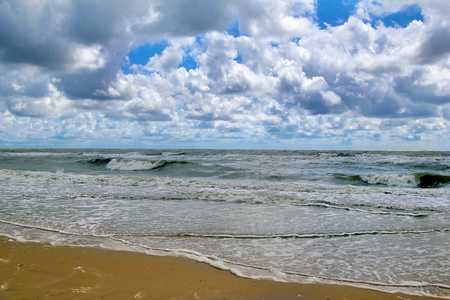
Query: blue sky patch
{"type": "Point", "coordinates": [142, 54]}
{"type": "Point", "coordinates": [273, 44]}
{"type": "Point", "coordinates": [234, 29]}
{"type": "Point", "coordinates": [334, 12]}
{"type": "Point", "coordinates": [188, 62]}
{"type": "Point", "coordinates": [402, 18]}
{"type": "Point", "coordinates": [238, 58]}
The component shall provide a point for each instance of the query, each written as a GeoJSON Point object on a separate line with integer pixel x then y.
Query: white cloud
{"type": "Point", "coordinates": [331, 97]}
{"type": "Point", "coordinates": [275, 20]}
{"type": "Point", "coordinates": [53, 105]}
{"type": "Point", "coordinates": [90, 58]}
{"type": "Point", "coordinates": [169, 59]}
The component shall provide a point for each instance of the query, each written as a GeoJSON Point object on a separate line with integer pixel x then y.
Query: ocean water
{"type": "Point", "coordinates": [376, 219]}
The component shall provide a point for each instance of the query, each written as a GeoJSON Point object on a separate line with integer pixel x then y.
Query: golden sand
{"type": "Point", "coordinates": [40, 271]}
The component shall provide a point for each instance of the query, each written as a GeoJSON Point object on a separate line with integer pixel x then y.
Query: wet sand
{"type": "Point", "coordinates": [38, 271]}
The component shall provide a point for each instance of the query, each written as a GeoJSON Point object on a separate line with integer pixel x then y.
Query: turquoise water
{"type": "Point", "coordinates": [377, 219]}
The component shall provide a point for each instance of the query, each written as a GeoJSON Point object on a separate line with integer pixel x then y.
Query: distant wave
{"type": "Point", "coordinates": [422, 180]}
{"type": "Point", "coordinates": [172, 153]}
{"type": "Point", "coordinates": [335, 154]}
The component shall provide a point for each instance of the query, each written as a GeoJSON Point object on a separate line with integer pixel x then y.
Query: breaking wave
{"type": "Point", "coordinates": [124, 164]}
{"type": "Point", "coordinates": [127, 164]}
{"type": "Point", "coordinates": [421, 180]}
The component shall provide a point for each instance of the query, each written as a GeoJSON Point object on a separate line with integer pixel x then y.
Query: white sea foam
{"type": "Point", "coordinates": [390, 179]}
{"type": "Point", "coordinates": [123, 164]}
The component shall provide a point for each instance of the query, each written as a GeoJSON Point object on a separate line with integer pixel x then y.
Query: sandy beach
{"type": "Point", "coordinates": [38, 271]}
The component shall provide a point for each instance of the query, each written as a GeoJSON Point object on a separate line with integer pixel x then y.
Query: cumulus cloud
{"type": "Point", "coordinates": [278, 76]}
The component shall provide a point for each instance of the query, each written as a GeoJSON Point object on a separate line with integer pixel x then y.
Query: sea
{"type": "Point", "coordinates": [373, 219]}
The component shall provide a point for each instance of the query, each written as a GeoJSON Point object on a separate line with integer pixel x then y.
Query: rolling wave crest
{"type": "Point", "coordinates": [421, 180]}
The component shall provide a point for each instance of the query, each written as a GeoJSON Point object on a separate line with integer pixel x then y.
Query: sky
{"type": "Point", "coordinates": [247, 74]}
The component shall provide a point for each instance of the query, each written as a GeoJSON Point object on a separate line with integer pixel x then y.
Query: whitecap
{"type": "Point", "coordinates": [123, 164]}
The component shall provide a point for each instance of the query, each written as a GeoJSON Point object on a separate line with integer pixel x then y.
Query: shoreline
{"type": "Point", "coordinates": [35, 270]}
